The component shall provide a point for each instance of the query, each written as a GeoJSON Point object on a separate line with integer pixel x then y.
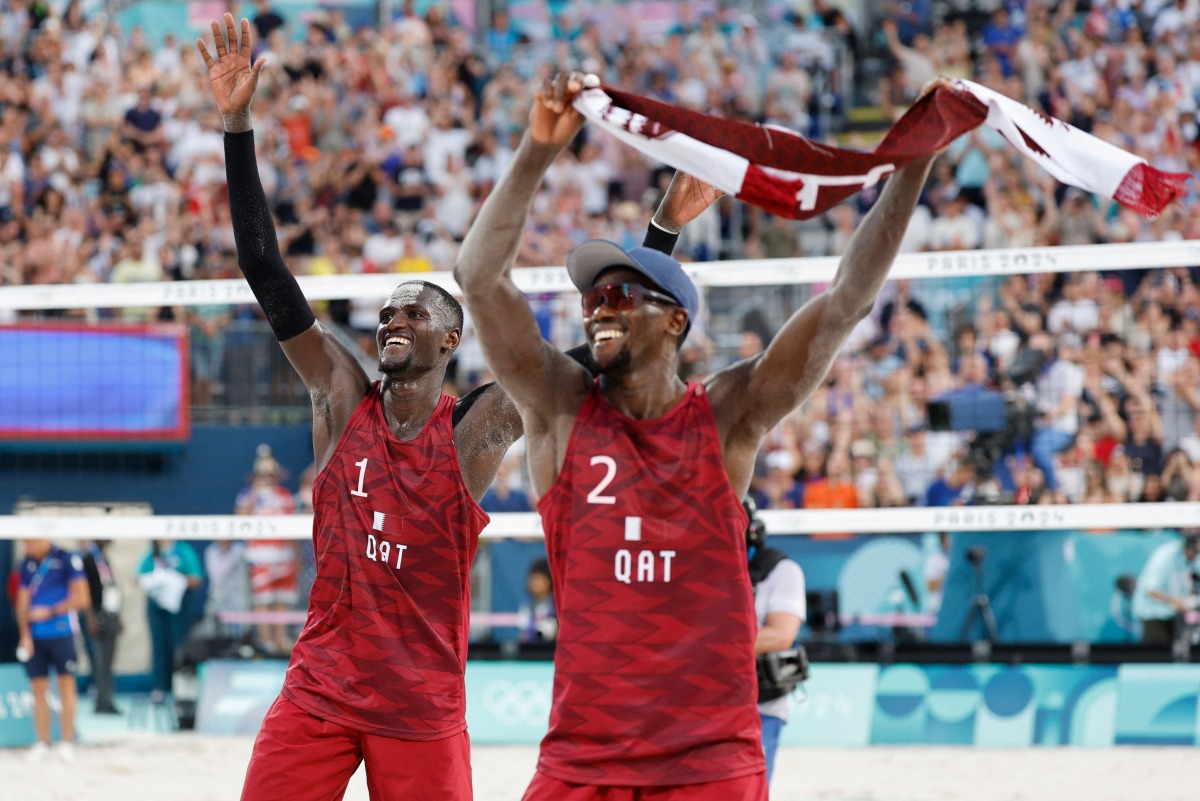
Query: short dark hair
{"type": "Point", "coordinates": [446, 303]}
{"type": "Point", "coordinates": [539, 567]}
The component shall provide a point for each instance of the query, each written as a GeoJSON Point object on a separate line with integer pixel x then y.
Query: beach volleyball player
{"type": "Point", "coordinates": [640, 477]}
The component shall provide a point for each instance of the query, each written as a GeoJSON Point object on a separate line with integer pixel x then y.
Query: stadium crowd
{"type": "Point", "coordinates": [378, 143]}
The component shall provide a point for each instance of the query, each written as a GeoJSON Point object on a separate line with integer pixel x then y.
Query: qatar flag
{"type": "Point", "coordinates": [787, 174]}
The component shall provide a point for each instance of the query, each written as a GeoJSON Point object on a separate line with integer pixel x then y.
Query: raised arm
{"type": "Point", "coordinates": [541, 381]}
{"type": "Point", "coordinates": [334, 379]}
{"type": "Point", "coordinates": [751, 396]}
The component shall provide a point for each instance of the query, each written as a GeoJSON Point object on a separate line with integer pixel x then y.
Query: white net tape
{"type": "Point", "coordinates": [97, 525]}
{"type": "Point", "coordinates": [758, 272]}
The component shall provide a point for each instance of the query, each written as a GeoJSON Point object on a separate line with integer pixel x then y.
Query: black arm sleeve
{"type": "Point", "coordinates": [659, 239]}
{"type": "Point", "coordinates": [467, 401]}
{"type": "Point", "coordinates": [583, 355]}
{"type": "Point", "coordinates": [258, 253]}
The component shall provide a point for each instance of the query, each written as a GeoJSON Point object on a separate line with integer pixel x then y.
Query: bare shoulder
{"type": "Point", "coordinates": [486, 419]}
{"type": "Point", "coordinates": [727, 389]}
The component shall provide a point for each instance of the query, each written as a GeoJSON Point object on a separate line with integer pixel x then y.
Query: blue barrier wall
{"type": "Point", "coordinates": [16, 708]}
{"type": "Point", "coordinates": [508, 703]}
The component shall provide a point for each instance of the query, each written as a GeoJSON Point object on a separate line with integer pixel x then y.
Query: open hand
{"type": "Point", "coordinates": [686, 198]}
{"type": "Point", "coordinates": [230, 74]}
{"type": "Point", "coordinates": [553, 120]}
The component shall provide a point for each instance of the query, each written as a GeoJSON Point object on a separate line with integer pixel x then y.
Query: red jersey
{"type": "Point", "coordinates": [395, 531]}
{"type": "Point", "coordinates": [654, 678]}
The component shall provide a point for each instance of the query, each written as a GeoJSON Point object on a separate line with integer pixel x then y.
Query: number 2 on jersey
{"type": "Point", "coordinates": [362, 476]}
{"type": "Point", "coordinates": [596, 496]}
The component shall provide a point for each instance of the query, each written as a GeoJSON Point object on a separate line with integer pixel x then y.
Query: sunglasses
{"type": "Point", "coordinates": [622, 297]}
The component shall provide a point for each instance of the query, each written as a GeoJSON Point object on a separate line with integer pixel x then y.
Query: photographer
{"type": "Point", "coordinates": [1165, 589]}
{"type": "Point", "coordinates": [780, 604]}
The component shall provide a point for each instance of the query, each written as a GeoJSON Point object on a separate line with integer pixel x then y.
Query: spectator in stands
{"type": "Point", "coordinates": [1000, 37]}
{"type": "Point", "coordinates": [1059, 390]}
{"type": "Point", "coordinates": [915, 65]}
{"type": "Point", "coordinates": [1143, 441]}
{"type": "Point", "coordinates": [143, 122]}
{"type": "Point", "coordinates": [1073, 312]}
{"type": "Point", "coordinates": [1179, 392]}
{"type": "Point", "coordinates": [836, 490]}
{"type": "Point", "coordinates": [917, 466]}
{"type": "Point", "coordinates": [536, 617]}
{"type": "Point", "coordinates": [954, 228]}
{"type": "Point", "coordinates": [779, 489]}
{"type": "Point", "coordinates": [955, 486]}
{"type": "Point", "coordinates": [266, 20]}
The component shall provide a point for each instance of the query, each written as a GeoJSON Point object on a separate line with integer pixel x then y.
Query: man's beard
{"type": "Point", "coordinates": [620, 365]}
{"type": "Point", "coordinates": [399, 366]}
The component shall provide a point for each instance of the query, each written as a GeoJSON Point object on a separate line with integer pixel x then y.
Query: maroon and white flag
{"type": "Point", "coordinates": [792, 176]}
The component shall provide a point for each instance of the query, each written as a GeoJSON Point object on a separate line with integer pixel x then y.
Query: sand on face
{"type": "Point", "coordinates": [191, 767]}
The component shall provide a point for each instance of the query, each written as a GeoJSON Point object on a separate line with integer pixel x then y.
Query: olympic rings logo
{"type": "Point", "coordinates": [518, 703]}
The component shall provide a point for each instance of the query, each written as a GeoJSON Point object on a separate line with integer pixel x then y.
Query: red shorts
{"type": "Point", "coordinates": [298, 757]}
{"type": "Point", "coordinates": [743, 788]}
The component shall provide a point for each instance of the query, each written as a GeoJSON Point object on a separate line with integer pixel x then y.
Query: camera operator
{"type": "Point", "coordinates": [1165, 589]}
{"type": "Point", "coordinates": [781, 606]}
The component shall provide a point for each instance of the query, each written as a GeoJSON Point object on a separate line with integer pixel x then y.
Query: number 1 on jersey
{"type": "Point", "coordinates": [362, 476]}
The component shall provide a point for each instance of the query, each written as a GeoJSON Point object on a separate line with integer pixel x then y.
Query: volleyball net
{"type": "Point", "coordinates": [139, 411]}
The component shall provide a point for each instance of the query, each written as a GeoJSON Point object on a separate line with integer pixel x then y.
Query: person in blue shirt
{"type": "Point", "coordinates": [53, 588]}
{"type": "Point", "coordinates": [505, 494]}
{"type": "Point", "coordinates": [168, 573]}
{"type": "Point", "coordinates": [954, 487]}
